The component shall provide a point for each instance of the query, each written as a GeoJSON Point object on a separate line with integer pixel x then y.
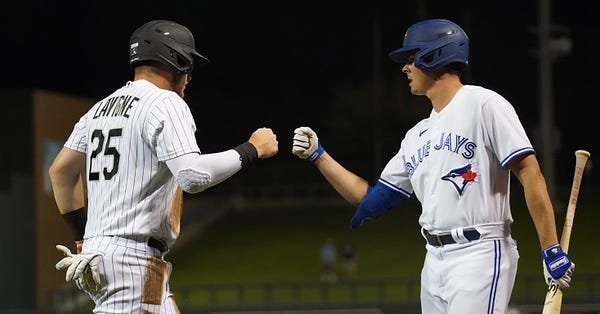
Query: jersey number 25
{"type": "Point", "coordinates": [108, 151]}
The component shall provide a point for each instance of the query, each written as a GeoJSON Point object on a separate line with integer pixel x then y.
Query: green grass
{"type": "Point", "coordinates": [282, 245]}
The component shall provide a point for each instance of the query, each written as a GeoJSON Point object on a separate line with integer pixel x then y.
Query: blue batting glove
{"type": "Point", "coordinates": [558, 267]}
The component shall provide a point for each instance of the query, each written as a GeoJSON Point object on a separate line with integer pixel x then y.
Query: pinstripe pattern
{"type": "Point", "coordinates": [132, 195]}
{"type": "Point", "coordinates": [127, 263]}
{"type": "Point", "coordinates": [137, 200]}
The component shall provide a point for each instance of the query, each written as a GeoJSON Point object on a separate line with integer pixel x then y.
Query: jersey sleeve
{"type": "Point", "coordinates": [78, 138]}
{"type": "Point", "coordinates": [171, 128]}
{"type": "Point", "coordinates": [506, 133]}
{"type": "Point", "coordinates": [395, 175]}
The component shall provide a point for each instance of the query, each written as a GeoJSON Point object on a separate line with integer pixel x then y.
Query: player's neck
{"type": "Point", "coordinates": [443, 91]}
{"type": "Point", "coordinates": [158, 76]}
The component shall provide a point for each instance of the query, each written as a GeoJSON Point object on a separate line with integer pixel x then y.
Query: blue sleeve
{"type": "Point", "coordinates": [379, 199]}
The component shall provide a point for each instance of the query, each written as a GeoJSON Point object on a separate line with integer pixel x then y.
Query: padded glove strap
{"type": "Point", "coordinates": [247, 153]}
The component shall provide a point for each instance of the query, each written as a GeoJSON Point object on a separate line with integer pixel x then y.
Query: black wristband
{"type": "Point", "coordinates": [247, 153]}
{"type": "Point", "coordinates": [77, 220]}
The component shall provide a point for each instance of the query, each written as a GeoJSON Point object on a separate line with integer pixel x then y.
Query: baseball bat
{"type": "Point", "coordinates": [553, 301]}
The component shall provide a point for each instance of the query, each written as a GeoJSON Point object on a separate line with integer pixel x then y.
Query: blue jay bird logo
{"type": "Point", "coordinates": [459, 177]}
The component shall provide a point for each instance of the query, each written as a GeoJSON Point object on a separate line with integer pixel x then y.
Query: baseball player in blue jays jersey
{"type": "Point", "coordinates": [138, 152]}
{"type": "Point", "coordinates": [457, 162]}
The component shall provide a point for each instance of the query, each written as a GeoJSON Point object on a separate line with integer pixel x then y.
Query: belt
{"type": "Point", "coordinates": [443, 239]}
{"type": "Point", "coordinates": [157, 244]}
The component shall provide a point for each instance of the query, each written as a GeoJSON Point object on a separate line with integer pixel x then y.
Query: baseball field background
{"type": "Point", "coordinates": [276, 245]}
{"type": "Point", "coordinates": [259, 233]}
{"type": "Point", "coordinates": [232, 258]}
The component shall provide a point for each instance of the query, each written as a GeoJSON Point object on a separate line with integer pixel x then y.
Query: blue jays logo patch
{"type": "Point", "coordinates": [459, 177]}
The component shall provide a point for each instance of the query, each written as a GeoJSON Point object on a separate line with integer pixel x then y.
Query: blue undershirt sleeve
{"type": "Point", "coordinates": [379, 199]}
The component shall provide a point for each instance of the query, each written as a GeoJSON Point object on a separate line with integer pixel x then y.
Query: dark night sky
{"type": "Point", "coordinates": [276, 65]}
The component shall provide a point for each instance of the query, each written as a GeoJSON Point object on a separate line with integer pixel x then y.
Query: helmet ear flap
{"type": "Point", "coordinates": [182, 62]}
{"type": "Point", "coordinates": [428, 58]}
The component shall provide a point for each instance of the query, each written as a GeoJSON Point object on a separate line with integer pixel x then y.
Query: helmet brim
{"type": "Point", "coordinates": [400, 55]}
{"type": "Point", "coordinates": [200, 60]}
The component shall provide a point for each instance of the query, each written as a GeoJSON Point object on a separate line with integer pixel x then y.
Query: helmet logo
{"type": "Point", "coordinates": [133, 49]}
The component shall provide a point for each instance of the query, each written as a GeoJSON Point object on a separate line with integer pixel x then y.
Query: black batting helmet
{"type": "Point", "coordinates": [166, 42]}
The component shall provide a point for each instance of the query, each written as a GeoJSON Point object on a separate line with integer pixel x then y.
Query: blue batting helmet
{"type": "Point", "coordinates": [437, 43]}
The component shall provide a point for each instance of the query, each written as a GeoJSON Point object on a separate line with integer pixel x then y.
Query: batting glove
{"type": "Point", "coordinates": [84, 269]}
{"type": "Point", "coordinates": [558, 267]}
{"type": "Point", "coordinates": [306, 144]}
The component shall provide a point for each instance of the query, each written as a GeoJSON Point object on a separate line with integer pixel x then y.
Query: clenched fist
{"type": "Point", "coordinates": [306, 144]}
{"type": "Point", "coordinates": [265, 142]}
{"type": "Point", "coordinates": [558, 267]}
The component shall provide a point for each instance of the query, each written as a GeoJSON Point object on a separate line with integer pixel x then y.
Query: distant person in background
{"type": "Point", "coordinates": [513, 309]}
{"type": "Point", "coordinates": [328, 255]}
{"type": "Point", "coordinates": [128, 161]}
{"type": "Point", "coordinates": [458, 162]}
{"type": "Point", "coordinates": [348, 254]}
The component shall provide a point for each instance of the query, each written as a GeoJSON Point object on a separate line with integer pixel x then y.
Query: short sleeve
{"type": "Point", "coordinates": [506, 133]}
{"type": "Point", "coordinates": [78, 138]}
{"type": "Point", "coordinates": [396, 175]}
{"type": "Point", "coordinates": [171, 128]}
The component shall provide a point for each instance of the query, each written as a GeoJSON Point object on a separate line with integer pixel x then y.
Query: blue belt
{"type": "Point", "coordinates": [443, 239]}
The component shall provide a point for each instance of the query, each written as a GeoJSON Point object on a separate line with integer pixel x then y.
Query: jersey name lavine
{"type": "Point", "coordinates": [454, 143]}
{"type": "Point", "coordinates": [118, 106]}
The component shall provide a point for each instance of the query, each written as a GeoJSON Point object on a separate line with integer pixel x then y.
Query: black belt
{"type": "Point", "coordinates": [157, 244]}
{"type": "Point", "coordinates": [443, 239]}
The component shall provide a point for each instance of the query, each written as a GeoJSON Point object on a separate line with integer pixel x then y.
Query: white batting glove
{"type": "Point", "coordinates": [84, 269]}
{"type": "Point", "coordinates": [306, 144]}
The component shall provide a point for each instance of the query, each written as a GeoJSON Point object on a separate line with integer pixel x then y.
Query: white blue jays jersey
{"type": "Point", "coordinates": [456, 161]}
{"type": "Point", "coordinates": [127, 137]}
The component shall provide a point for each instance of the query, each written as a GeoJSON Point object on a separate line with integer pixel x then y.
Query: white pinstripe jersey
{"type": "Point", "coordinates": [127, 137]}
{"type": "Point", "coordinates": [455, 161]}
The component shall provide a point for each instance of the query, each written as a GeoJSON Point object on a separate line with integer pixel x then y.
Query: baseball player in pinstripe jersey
{"type": "Point", "coordinates": [457, 162]}
{"type": "Point", "coordinates": [138, 152]}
